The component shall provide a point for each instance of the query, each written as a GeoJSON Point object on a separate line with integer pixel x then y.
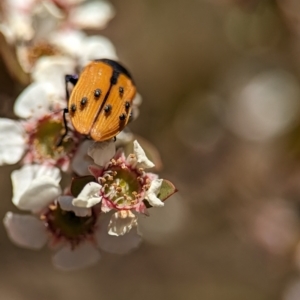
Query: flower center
{"type": "Point", "coordinates": [40, 49]}
{"type": "Point", "coordinates": [47, 134]}
{"type": "Point", "coordinates": [66, 225]}
{"type": "Point", "coordinates": [122, 186]}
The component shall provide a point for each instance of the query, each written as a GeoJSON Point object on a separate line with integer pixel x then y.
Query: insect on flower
{"type": "Point", "coordinates": [101, 101]}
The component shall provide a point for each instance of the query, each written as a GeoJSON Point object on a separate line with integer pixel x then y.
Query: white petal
{"type": "Point", "coordinates": [68, 41]}
{"type": "Point", "coordinates": [153, 191]}
{"type": "Point", "coordinates": [65, 203]}
{"type": "Point", "coordinates": [96, 47]}
{"type": "Point", "coordinates": [142, 160]}
{"type": "Point", "coordinates": [41, 192]}
{"type": "Point", "coordinates": [49, 10]}
{"type": "Point", "coordinates": [21, 26]}
{"type": "Point", "coordinates": [36, 100]}
{"type": "Point", "coordinates": [93, 15]}
{"type": "Point", "coordinates": [20, 5]}
{"type": "Point", "coordinates": [53, 69]}
{"type": "Point", "coordinates": [135, 112]}
{"type": "Point", "coordinates": [82, 256]}
{"type": "Point", "coordinates": [124, 137]}
{"type": "Point", "coordinates": [22, 53]}
{"type": "Point", "coordinates": [116, 244]}
{"type": "Point", "coordinates": [7, 33]}
{"type": "Point", "coordinates": [102, 152]}
{"type": "Point", "coordinates": [45, 19]}
{"type": "Point", "coordinates": [25, 230]}
{"type": "Point", "coordinates": [137, 101]}
{"type": "Point", "coordinates": [34, 186]}
{"type": "Point", "coordinates": [121, 222]}
{"type": "Point", "coordinates": [89, 196]}
{"type": "Point", "coordinates": [12, 148]}
{"type": "Point", "coordinates": [81, 160]}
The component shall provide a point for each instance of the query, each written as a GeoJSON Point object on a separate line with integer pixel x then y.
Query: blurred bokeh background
{"type": "Point", "coordinates": [220, 81]}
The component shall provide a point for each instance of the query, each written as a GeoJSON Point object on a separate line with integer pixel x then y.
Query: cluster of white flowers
{"type": "Point", "coordinates": [99, 208]}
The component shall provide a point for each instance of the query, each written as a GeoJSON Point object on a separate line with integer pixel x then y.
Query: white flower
{"type": "Point", "coordinates": [89, 196]}
{"type": "Point", "coordinates": [25, 230]}
{"type": "Point", "coordinates": [32, 19]}
{"type": "Point", "coordinates": [116, 244]}
{"type": "Point", "coordinates": [70, 229]}
{"type": "Point", "coordinates": [96, 47]}
{"type": "Point", "coordinates": [40, 104]}
{"type": "Point", "coordinates": [29, 19]}
{"type": "Point", "coordinates": [18, 23]}
{"type": "Point", "coordinates": [81, 160]}
{"type": "Point", "coordinates": [136, 102]}
{"type": "Point", "coordinates": [151, 194]}
{"type": "Point", "coordinates": [65, 203]}
{"type": "Point", "coordinates": [32, 26]}
{"type": "Point", "coordinates": [124, 137]}
{"type": "Point", "coordinates": [139, 160]}
{"type": "Point", "coordinates": [39, 99]}
{"type": "Point", "coordinates": [102, 152]}
{"type": "Point", "coordinates": [121, 222]}
{"type": "Point", "coordinates": [92, 15]}
{"type": "Point", "coordinates": [83, 256]}
{"type": "Point", "coordinates": [35, 186]}
{"type": "Point", "coordinates": [35, 101]}
{"type": "Point", "coordinates": [53, 69]}
{"type": "Point", "coordinates": [12, 149]}
{"type": "Point", "coordinates": [81, 47]}
{"type": "Point", "coordinates": [123, 185]}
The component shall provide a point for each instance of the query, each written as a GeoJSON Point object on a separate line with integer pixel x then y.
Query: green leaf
{"type": "Point", "coordinates": [167, 189]}
{"type": "Point", "coordinates": [78, 183]}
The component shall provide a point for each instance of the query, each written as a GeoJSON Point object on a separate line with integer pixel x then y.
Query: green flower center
{"type": "Point", "coordinates": [65, 224]}
{"type": "Point", "coordinates": [46, 137]}
{"type": "Point", "coordinates": [122, 186]}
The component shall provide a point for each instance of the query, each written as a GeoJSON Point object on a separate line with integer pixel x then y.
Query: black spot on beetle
{"type": "Point", "coordinates": [84, 101]}
{"type": "Point", "coordinates": [73, 107]}
{"type": "Point", "coordinates": [127, 105]}
{"type": "Point", "coordinates": [107, 108]}
{"type": "Point", "coordinates": [122, 117]}
{"type": "Point", "coordinates": [97, 93]}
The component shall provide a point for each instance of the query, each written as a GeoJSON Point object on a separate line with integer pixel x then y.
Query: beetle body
{"type": "Point", "coordinates": [101, 101]}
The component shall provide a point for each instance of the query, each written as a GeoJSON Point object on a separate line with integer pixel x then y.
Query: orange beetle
{"type": "Point", "coordinates": [100, 103]}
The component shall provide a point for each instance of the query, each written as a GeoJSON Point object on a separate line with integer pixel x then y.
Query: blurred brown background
{"type": "Point", "coordinates": [221, 102]}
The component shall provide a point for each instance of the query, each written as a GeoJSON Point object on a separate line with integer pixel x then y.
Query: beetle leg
{"type": "Point", "coordinates": [65, 111]}
{"type": "Point", "coordinates": [72, 79]}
